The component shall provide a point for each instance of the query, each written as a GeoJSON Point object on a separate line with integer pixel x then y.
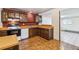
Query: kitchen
{"type": "Point", "coordinates": [30, 28]}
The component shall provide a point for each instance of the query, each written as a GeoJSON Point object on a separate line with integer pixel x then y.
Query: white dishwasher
{"type": "Point", "coordinates": [24, 33]}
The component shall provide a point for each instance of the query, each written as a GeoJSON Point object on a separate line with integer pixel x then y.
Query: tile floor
{"type": "Point", "coordinates": [68, 46]}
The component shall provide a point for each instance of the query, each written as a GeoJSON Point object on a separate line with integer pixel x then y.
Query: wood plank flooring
{"type": "Point", "coordinates": [39, 43]}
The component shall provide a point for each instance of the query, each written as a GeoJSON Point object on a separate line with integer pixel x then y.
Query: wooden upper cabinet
{"type": "Point", "coordinates": [17, 15]}
{"type": "Point", "coordinates": [4, 16]}
{"type": "Point", "coordinates": [38, 18]}
{"type": "Point", "coordinates": [11, 15]}
{"type": "Point", "coordinates": [23, 18]}
{"type": "Point", "coordinates": [14, 15]}
{"type": "Point", "coordinates": [34, 17]}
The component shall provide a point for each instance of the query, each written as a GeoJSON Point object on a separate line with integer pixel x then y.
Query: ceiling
{"type": "Point", "coordinates": [70, 12]}
{"type": "Point", "coordinates": [35, 10]}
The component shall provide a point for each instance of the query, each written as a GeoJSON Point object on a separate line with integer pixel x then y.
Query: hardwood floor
{"type": "Point", "coordinates": [38, 43]}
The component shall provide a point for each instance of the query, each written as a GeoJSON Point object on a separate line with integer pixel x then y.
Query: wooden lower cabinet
{"type": "Point", "coordinates": [44, 33]}
{"type": "Point", "coordinates": [47, 33]}
{"type": "Point", "coordinates": [32, 32]}
{"type": "Point", "coordinates": [3, 33]}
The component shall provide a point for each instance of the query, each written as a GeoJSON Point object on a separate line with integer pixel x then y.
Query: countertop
{"type": "Point", "coordinates": [30, 26]}
{"type": "Point", "coordinates": [8, 41]}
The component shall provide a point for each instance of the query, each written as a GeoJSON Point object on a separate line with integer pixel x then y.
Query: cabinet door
{"type": "Point", "coordinates": [38, 19]}
{"type": "Point", "coordinates": [4, 16]}
{"type": "Point", "coordinates": [32, 32]}
{"type": "Point", "coordinates": [17, 15]}
{"type": "Point", "coordinates": [42, 33]}
{"type": "Point", "coordinates": [23, 18]}
{"type": "Point", "coordinates": [38, 32]}
{"type": "Point", "coordinates": [24, 33]}
{"type": "Point", "coordinates": [51, 32]}
{"type": "Point", "coordinates": [11, 14]}
{"type": "Point", "coordinates": [46, 33]}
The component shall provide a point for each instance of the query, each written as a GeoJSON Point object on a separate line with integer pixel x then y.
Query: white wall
{"type": "Point", "coordinates": [46, 17]}
{"type": "Point", "coordinates": [55, 22]}
{"type": "Point", "coordinates": [72, 16]}
{"type": "Point", "coordinates": [46, 20]}
{"type": "Point", "coordinates": [0, 17]}
{"type": "Point", "coordinates": [74, 24]}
